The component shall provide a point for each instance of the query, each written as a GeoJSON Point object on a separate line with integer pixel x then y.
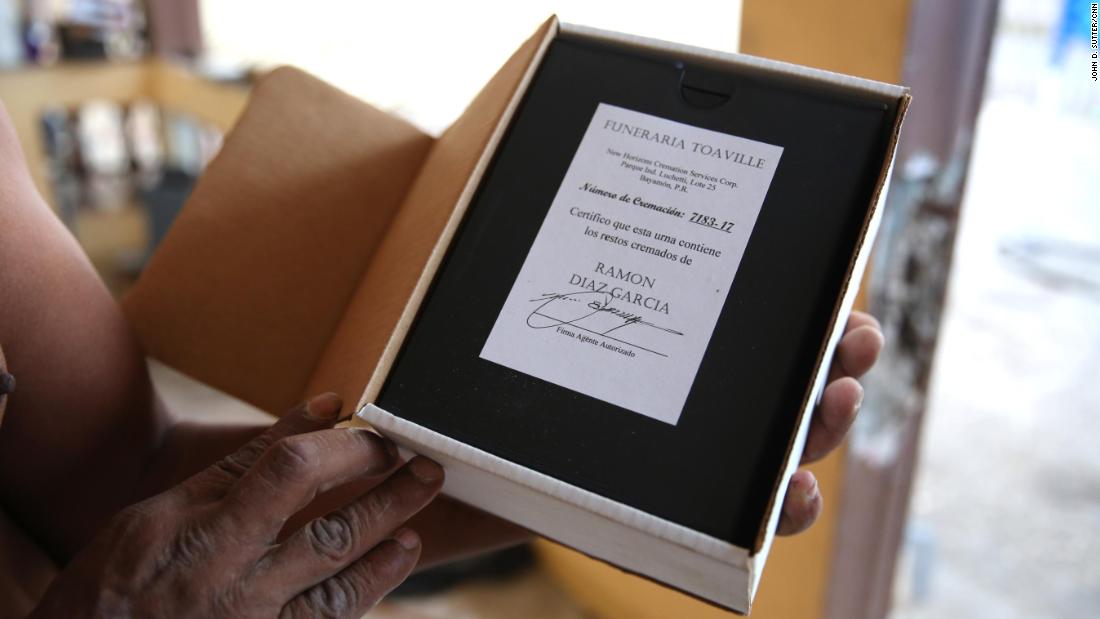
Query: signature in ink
{"type": "Point", "coordinates": [588, 311]}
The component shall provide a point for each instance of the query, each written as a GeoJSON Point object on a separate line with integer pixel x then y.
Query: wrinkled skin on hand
{"type": "Point", "coordinates": [209, 546]}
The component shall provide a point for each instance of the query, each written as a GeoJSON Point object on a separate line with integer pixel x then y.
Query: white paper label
{"type": "Point", "coordinates": [620, 292]}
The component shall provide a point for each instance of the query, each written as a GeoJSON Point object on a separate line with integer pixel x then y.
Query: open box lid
{"type": "Point", "coordinates": [262, 287]}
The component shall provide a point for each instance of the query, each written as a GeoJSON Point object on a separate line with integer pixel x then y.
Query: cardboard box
{"type": "Point", "coordinates": [308, 256]}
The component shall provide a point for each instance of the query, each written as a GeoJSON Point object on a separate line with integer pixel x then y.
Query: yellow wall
{"type": "Point", "coordinates": [859, 37]}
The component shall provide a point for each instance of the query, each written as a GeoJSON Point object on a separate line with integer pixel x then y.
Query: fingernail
{"type": "Point", "coordinates": [391, 449]}
{"type": "Point", "coordinates": [7, 383]}
{"type": "Point", "coordinates": [859, 400]}
{"type": "Point", "coordinates": [425, 471]}
{"type": "Point", "coordinates": [408, 539]}
{"type": "Point", "coordinates": [387, 444]}
{"type": "Point", "coordinates": [810, 491]}
{"type": "Point", "coordinates": [378, 441]}
{"type": "Point", "coordinates": [324, 407]}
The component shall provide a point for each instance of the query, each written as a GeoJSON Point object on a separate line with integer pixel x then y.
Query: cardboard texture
{"type": "Point", "coordinates": [375, 323]}
{"type": "Point", "coordinates": [288, 216]}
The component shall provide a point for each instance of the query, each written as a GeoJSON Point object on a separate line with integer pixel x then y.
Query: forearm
{"type": "Point", "coordinates": [81, 424]}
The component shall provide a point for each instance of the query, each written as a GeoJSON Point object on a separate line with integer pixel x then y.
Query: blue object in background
{"type": "Point", "coordinates": [1076, 26]}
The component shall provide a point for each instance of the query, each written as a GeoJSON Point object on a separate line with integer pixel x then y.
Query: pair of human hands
{"type": "Point", "coordinates": [214, 545]}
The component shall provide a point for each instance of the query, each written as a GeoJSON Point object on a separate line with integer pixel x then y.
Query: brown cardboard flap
{"type": "Point", "coordinates": [253, 278]}
{"type": "Point", "coordinates": [384, 305]}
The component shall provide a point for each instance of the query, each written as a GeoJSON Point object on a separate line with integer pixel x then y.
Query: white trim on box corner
{"type": "Point", "coordinates": [622, 535]}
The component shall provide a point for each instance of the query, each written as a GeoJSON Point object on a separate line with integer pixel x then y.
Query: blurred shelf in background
{"type": "Point", "coordinates": [113, 135]}
{"type": "Point", "coordinates": [98, 165]}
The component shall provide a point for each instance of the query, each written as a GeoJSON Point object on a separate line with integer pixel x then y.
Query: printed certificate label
{"type": "Point", "coordinates": [621, 290]}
